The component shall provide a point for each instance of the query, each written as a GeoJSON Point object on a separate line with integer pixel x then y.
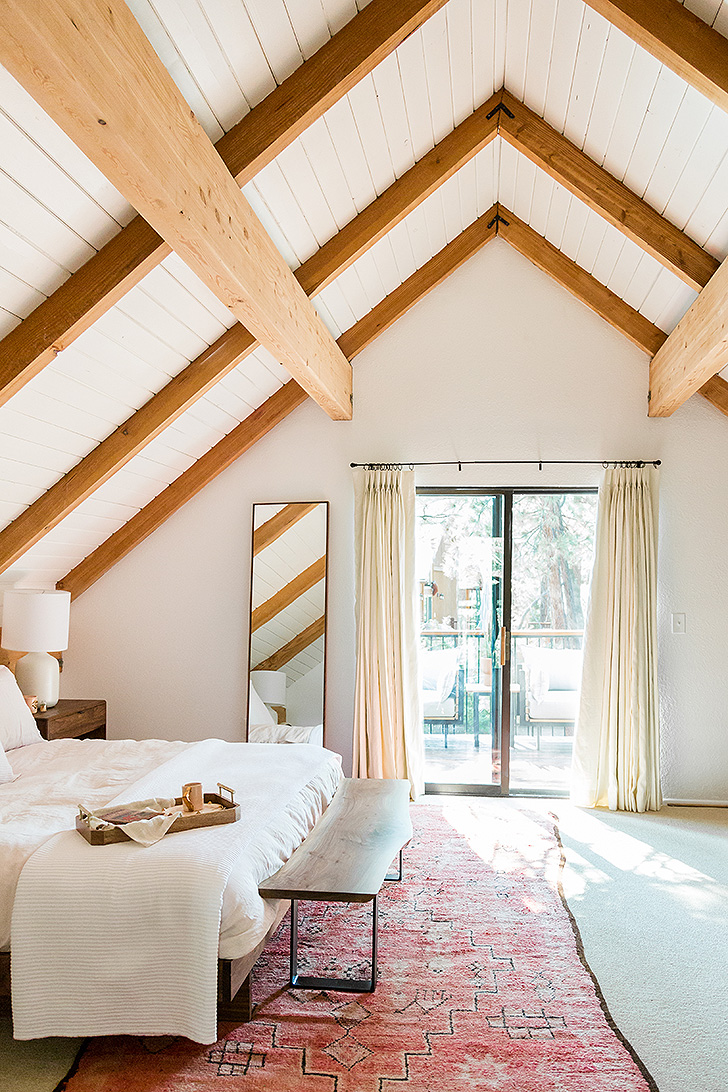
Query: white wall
{"type": "Point", "coordinates": [498, 362]}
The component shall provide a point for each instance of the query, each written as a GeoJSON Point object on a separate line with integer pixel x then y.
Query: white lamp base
{"type": "Point", "coordinates": [38, 673]}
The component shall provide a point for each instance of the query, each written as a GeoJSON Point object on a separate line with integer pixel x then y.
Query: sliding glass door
{"type": "Point", "coordinates": [503, 581]}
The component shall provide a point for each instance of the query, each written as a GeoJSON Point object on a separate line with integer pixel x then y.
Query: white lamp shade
{"type": "Point", "coordinates": [35, 621]}
{"type": "Point", "coordinates": [270, 686]}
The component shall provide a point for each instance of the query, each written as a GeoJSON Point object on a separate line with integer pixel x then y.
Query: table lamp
{"type": "Point", "coordinates": [36, 622]}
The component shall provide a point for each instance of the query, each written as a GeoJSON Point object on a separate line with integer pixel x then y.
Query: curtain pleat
{"type": "Point", "coordinates": [616, 760]}
{"type": "Point", "coordinates": [387, 721]}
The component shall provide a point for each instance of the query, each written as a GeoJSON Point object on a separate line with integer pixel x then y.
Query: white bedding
{"type": "Point", "coordinates": [53, 777]}
{"type": "Point", "coordinates": [125, 939]}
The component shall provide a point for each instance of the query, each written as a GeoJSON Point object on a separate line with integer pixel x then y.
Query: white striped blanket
{"type": "Point", "coordinates": [123, 939]}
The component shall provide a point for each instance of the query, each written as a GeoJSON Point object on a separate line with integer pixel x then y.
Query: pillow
{"type": "Point", "coordinates": [17, 727]}
{"type": "Point", "coordinates": [6, 770]}
{"type": "Point", "coordinates": [279, 733]}
{"type": "Point", "coordinates": [258, 712]}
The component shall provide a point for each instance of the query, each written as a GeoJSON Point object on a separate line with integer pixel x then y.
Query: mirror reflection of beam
{"type": "Point", "coordinates": [273, 528]}
{"type": "Point", "coordinates": [288, 594]}
{"type": "Point", "coordinates": [301, 641]}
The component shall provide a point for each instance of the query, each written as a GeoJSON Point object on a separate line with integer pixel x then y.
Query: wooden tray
{"type": "Point", "coordinates": [229, 813]}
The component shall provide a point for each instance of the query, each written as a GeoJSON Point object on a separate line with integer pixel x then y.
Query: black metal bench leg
{"type": "Point", "coordinates": [394, 879]}
{"type": "Point", "coordinates": [347, 985]}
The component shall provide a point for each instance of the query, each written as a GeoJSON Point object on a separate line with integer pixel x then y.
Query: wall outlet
{"type": "Point", "coordinates": [678, 623]}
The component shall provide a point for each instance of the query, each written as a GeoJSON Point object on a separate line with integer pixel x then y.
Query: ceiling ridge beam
{"type": "Point", "coordinates": [288, 594]}
{"type": "Point", "coordinates": [259, 423]}
{"type": "Point", "coordinates": [270, 531]}
{"type": "Point", "coordinates": [677, 38]}
{"type": "Point", "coordinates": [543, 254]}
{"type": "Point", "coordinates": [358, 236]}
{"type": "Point", "coordinates": [695, 351]}
{"type": "Point", "coordinates": [136, 249]}
{"type": "Point", "coordinates": [297, 644]}
{"type": "Point", "coordinates": [555, 154]}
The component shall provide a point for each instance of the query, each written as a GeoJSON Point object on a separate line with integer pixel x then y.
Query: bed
{"type": "Point", "coordinates": [286, 790]}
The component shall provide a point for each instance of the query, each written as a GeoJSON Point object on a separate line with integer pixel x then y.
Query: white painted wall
{"type": "Point", "coordinates": [498, 362]}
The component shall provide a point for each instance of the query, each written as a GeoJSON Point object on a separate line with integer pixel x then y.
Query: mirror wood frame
{"type": "Point", "coordinates": [281, 506]}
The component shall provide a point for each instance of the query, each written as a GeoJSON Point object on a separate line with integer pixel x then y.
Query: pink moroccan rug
{"type": "Point", "coordinates": [482, 986]}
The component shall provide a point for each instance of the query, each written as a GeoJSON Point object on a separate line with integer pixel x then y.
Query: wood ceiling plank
{"type": "Point", "coordinates": [677, 38]}
{"type": "Point", "coordinates": [277, 525]}
{"type": "Point", "coordinates": [580, 283]}
{"type": "Point", "coordinates": [297, 644]}
{"type": "Point", "coordinates": [695, 350]}
{"type": "Point", "coordinates": [302, 98]}
{"type": "Point", "coordinates": [564, 162]}
{"type": "Point", "coordinates": [288, 594]}
{"type": "Point", "coordinates": [89, 65]}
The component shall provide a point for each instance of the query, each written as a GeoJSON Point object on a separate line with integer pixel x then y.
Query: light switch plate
{"type": "Point", "coordinates": [678, 623]}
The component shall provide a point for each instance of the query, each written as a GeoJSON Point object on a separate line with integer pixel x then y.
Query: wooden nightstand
{"type": "Point", "coordinates": [72, 719]}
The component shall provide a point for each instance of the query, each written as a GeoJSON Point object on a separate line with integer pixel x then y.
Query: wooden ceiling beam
{"type": "Point", "coordinates": [288, 594]}
{"type": "Point", "coordinates": [89, 65]}
{"type": "Point", "coordinates": [716, 391]}
{"type": "Point", "coordinates": [695, 350]}
{"type": "Point", "coordinates": [229, 350]}
{"type": "Point", "coordinates": [277, 525]}
{"type": "Point", "coordinates": [297, 644]}
{"type": "Point", "coordinates": [271, 413]}
{"type": "Point", "coordinates": [611, 199]}
{"type": "Point", "coordinates": [251, 144]}
{"type": "Point", "coordinates": [677, 38]}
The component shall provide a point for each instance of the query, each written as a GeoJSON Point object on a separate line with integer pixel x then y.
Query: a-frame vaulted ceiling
{"type": "Point", "coordinates": [380, 149]}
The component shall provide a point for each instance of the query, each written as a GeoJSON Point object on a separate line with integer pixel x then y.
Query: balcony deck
{"type": "Point", "coordinates": [541, 771]}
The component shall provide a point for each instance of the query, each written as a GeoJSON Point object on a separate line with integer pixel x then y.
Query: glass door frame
{"type": "Point", "coordinates": [506, 493]}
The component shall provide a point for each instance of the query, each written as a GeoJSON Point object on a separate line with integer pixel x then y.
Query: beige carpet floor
{"type": "Point", "coordinates": [650, 896]}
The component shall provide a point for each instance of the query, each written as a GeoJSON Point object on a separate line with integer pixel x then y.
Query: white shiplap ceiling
{"type": "Point", "coordinates": [568, 64]}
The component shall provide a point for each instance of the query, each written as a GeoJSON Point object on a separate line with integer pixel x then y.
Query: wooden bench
{"type": "Point", "coordinates": [346, 858]}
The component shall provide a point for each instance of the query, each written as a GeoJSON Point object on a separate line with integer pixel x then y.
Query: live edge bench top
{"type": "Point", "coordinates": [346, 856]}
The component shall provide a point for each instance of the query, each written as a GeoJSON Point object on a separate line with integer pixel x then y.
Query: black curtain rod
{"type": "Point", "coordinates": [540, 463]}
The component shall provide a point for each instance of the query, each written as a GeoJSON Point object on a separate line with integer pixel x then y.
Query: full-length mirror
{"type": "Point", "coordinates": [288, 622]}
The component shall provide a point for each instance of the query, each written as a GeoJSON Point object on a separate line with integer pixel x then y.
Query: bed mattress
{"type": "Point", "coordinates": [53, 777]}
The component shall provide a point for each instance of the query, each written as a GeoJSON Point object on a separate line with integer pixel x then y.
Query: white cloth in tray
{"type": "Point", "coordinates": [123, 939]}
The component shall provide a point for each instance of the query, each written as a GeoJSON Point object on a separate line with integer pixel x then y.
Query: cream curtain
{"type": "Point", "coordinates": [616, 748]}
{"type": "Point", "coordinates": [387, 721]}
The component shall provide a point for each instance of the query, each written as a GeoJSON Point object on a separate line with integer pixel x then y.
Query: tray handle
{"type": "Point", "coordinates": [225, 790]}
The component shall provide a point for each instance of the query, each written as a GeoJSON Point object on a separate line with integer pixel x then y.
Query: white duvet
{"type": "Point", "coordinates": [52, 778]}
